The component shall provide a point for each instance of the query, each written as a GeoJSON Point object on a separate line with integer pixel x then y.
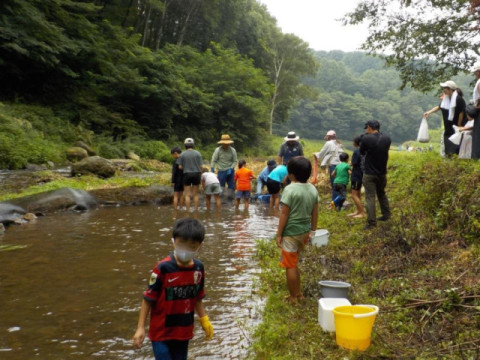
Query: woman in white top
{"type": "Point", "coordinates": [466, 143]}
{"type": "Point", "coordinates": [476, 103]}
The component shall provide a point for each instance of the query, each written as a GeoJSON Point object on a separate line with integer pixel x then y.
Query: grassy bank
{"type": "Point", "coordinates": [421, 268]}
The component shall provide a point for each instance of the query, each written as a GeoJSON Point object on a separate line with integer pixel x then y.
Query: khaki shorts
{"type": "Point", "coordinates": [291, 247]}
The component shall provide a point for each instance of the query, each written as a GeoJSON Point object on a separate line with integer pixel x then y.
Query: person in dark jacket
{"type": "Point", "coordinates": [374, 146]}
{"type": "Point", "coordinates": [177, 179]}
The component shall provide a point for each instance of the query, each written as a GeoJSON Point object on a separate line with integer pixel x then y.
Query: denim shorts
{"type": "Point", "coordinates": [242, 194]}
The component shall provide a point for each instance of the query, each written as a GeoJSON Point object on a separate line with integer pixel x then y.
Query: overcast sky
{"type": "Point", "coordinates": [314, 21]}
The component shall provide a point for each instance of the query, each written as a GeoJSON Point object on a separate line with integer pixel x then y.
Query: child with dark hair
{"type": "Point", "coordinates": [341, 176]}
{"type": "Point", "coordinates": [174, 294]}
{"type": "Point", "coordinates": [177, 178]}
{"type": "Point", "coordinates": [243, 178]}
{"type": "Point", "coordinates": [298, 219]}
{"type": "Point", "coordinates": [356, 178]}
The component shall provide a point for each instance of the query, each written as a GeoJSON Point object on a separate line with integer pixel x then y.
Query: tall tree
{"type": "Point", "coordinates": [426, 40]}
{"type": "Point", "coordinates": [290, 60]}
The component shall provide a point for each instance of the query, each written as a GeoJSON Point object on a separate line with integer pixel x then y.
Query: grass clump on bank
{"type": "Point", "coordinates": [421, 268]}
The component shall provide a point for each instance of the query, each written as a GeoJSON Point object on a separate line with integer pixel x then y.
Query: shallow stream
{"type": "Point", "coordinates": [74, 292]}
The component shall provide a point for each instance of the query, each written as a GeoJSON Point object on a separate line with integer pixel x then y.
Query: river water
{"type": "Point", "coordinates": [74, 292]}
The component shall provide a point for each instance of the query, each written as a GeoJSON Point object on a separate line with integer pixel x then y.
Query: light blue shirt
{"type": "Point", "coordinates": [279, 173]}
{"type": "Point", "coordinates": [264, 174]}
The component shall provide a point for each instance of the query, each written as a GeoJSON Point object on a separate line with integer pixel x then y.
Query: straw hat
{"type": "Point", "coordinates": [225, 140]}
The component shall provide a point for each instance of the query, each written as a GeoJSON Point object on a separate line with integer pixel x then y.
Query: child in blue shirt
{"type": "Point", "coordinates": [275, 181]}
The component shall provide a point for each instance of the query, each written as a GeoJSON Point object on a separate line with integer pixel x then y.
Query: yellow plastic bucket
{"type": "Point", "coordinates": [353, 325]}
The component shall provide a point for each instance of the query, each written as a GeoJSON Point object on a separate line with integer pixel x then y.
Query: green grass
{"type": "Point", "coordinates": [421, 268]}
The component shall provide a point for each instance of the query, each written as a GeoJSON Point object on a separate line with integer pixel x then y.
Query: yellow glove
{"type": "Point", "coordinates": [207, 327]}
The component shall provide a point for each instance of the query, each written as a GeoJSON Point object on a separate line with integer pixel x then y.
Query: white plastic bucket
{"type": "Point", "coordinates": [326, 318]}
{"type": "Point", "coordinates": [321, 237]}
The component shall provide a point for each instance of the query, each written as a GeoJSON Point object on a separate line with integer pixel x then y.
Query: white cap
{"type": "Point", "coordinates": [188, 141]}
{"type": "Point", "coordinates": [449, 84]}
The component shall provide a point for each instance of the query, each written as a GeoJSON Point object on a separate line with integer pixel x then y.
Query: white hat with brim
{"type": "Point", "coordinates": [449, 84]}
{"type": "Point", "coordinates": [291, 136]}
{"type": "Point", "coordinates": [476, 67]}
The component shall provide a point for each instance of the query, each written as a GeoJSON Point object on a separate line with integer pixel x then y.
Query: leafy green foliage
{"type": "Point", "coordinates": [353, 88]}
{"type": "Point", "coordinates": [426, 40]}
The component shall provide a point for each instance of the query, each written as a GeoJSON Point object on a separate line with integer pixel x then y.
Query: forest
{"type": "Point", "coordinates": [142, 75]}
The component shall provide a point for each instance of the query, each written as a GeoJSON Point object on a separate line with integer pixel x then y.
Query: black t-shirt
{"type": "Point", "coordinates": [375, 147]}
{"type": "Point", "coordinates": [357, 172]}
{"type": "Point", "coordinates": [459, 108]}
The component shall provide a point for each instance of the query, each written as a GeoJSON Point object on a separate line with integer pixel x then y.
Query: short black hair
{"type": "Point", "coordinates": [176, 149]}
{"type": "Point", "coordinates": [471, 111]}
{"type": "Point", "coordinates": [374, 124]}
{"type": "Point", "coordinates": [343, 157]}
{"type": "Point", "coordinates": [189, 228]}
{"type": "Point", "coordinates": [241, 163]}
{"type": "Point", "coordinates": [300, 167]}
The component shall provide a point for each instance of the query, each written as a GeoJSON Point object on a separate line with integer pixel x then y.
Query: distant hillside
{"type": "Point", "coordinates": [352, 88]}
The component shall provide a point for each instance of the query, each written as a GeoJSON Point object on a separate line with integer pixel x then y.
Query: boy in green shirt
{"type": "Point", "coordinates": [341, 174]}
{"type": "Point", "coordinates": [298, 217]}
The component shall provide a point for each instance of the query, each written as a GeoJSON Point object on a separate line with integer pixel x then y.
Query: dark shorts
{"type": "Point", "coordinates": [191, 179]}
{"type": "Point", "coordinates": [356, 185]}
{"type": "Point", "coordinates": [273, 186]}
{"type": "Point", "coordinates": [178, 187]}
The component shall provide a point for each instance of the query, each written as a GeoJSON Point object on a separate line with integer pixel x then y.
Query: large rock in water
{"type": "Point", "coordinates": [95, 165]}
{"type": "Point", "coordinates": [10, 213]}
{"type": "Point", "coordinates": [55, 200]}
{"type": "Point", "coordinates": [159, 195]}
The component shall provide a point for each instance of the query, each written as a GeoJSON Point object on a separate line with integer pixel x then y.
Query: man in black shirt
{"type": "Point", "coordinates": [375, 146]}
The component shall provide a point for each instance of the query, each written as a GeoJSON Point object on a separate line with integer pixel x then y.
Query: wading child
{"type": "Point", "coordinates": [297, 218]}
{"type": "Point", "coordinates": [177, 179]}
{"type": "Point", "coordinates": [342, 175]}
{"type": "Point", "coordinates": [174, 293]}
{"type": "Point", "coordinates": [211, 186]}
{"type": "Point", "coordinates": [275, 181]}
{"type": "Point", "coordinates": [243, 178]}
{"type": "Point", "coordinates": [356, 179]}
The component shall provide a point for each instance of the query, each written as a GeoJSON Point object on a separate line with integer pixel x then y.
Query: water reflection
{"type": "Point", "coordinates": [75, 291]}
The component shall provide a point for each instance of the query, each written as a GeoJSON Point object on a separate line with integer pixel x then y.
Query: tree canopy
{"type": "Point", "coordinates": [426, 40]}
{"type": "Point", "coordinates": [154, 68]}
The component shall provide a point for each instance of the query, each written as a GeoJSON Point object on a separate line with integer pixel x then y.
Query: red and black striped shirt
{"type": "Point", "coordinates": [173, 292]}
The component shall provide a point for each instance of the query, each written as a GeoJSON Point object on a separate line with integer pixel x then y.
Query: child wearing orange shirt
{"type": "Point", "coordinates": [243, 177]}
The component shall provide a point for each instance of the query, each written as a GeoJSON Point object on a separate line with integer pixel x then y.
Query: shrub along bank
{"type": "Point", "coordinates": [421, 268]}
